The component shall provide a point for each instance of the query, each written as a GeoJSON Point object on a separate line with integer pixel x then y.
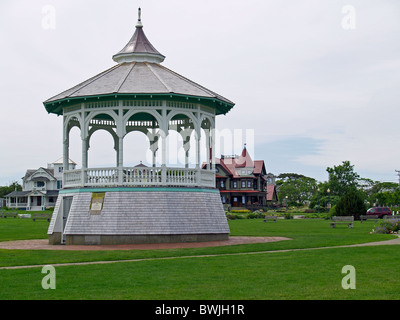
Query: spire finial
{"type": "Point", "coordinates": [139, 22]}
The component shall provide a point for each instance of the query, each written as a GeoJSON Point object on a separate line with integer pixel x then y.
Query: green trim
{"type": "Point", "coordinates": [139, 189]}
{"type": "Point", "coordinates": [220, 106]}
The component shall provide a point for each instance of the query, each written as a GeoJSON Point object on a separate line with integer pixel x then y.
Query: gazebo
{"type": "Point", "coordinates": [157, 203]}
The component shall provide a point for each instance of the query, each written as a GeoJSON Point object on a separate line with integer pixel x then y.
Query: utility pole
{"type": "Point", "coordinates": [398, 173]}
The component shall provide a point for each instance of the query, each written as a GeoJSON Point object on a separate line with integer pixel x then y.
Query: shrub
{"type": "Point", "coordinates": [288, 216]}
{"type": "Point", "coordinates": [241, 211]}
{"type": "Point", "coordinates": [351, 204]}
{"type": "Point", "coordinates": [332, 211]}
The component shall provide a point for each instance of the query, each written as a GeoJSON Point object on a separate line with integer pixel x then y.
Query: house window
{"type": "Point", "coordinates": [243, 200]}
{"type": "Point", "coordinates": [248, 184]}
{"type": "Point", "coordinates": [59, 184]}
{"type": "Point", "coordinates": [60, 169]}
{"type": "Point", "coordinates": [235, 184]}
{"type": "Point", "coordinates": [243, 184]}
{"type": "Point", "coordinates": [223, 199]}
{"type": "Point", "coordinates": [222, 184]}
{"type": "Point", "coordinates": [40, 184]}
{"type": "Point", "coordinates": [248, 171]}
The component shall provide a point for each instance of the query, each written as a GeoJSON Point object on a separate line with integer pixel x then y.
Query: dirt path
{"type": "Point", "coordinates": [43, 244]}
{"type": "Point", "coordinates": [40, 245]}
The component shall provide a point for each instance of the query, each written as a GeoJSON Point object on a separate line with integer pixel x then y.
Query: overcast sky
{"type": "Point", "coordinates": [315, 82]}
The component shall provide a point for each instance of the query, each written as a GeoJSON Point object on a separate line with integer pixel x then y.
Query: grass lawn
{"type": "Point", "coordinates": [308, 274]}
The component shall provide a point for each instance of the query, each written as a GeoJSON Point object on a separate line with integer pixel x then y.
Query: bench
{"type": "Point", "coordinates": [342, 220]}
{"type": "Point", "coordinates": [273, 218]}
{"type": "Point", "coordinates": [6, 214]}
{"type": "Point", "coordinates": [368, 217]}
{"type": "Point", "coordinates": [46, 216]}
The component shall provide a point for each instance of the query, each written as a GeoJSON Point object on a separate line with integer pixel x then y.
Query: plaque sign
{"type": "Point", "coordinates": [96, 204]}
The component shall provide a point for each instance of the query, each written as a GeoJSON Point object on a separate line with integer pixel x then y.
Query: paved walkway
{"type": "Point", "coordinates": [232, 240]}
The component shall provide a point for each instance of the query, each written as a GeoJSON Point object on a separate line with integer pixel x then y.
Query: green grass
{"type": "Point", "coordinates": [312, 274]}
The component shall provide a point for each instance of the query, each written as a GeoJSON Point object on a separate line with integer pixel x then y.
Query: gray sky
{"type": "Point", "coordinates": [315, 81]}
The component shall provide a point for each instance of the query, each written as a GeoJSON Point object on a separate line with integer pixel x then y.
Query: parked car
{"type": "Point", "coordinates": [379, 211]}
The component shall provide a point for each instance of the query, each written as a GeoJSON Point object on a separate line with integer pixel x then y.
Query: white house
{"type": "Point", "coordinates": [40, 187]}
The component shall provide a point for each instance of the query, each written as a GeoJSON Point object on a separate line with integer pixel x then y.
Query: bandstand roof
{"type": "Point", "coordinates": [138, 75]}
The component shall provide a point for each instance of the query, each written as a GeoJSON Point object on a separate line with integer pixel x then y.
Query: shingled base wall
{"type": "Point", "coordinates": [145, 215]}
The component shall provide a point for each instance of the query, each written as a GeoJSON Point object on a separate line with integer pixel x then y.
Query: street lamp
{"type": "Point", "coordinates": [329, 199]}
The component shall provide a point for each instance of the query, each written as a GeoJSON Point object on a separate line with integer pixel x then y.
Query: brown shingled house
{"type": "Point", "coordinates": [242, 181]}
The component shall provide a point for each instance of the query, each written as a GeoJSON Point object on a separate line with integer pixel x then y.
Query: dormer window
{"type": "Point", "coordinates": [39, 184]}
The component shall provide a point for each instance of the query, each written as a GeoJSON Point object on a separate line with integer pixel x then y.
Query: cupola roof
{"type": "Point", "coordinates": [139, 48]}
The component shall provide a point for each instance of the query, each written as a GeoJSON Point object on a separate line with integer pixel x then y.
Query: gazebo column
{"type": "Point", "coordinates": [186, 134]}
{"type": "Point", "coordinates": [212, 155]}
{"type": "Point", "coordinates": [85, 148]}
{"type": "Point", "coordinates": [164, 135]}
{"type": "Point", "coordinates": [65, 148]}
{"type": "Point", "coordinates": [186, 148]}
{"type": "Point", "coordinates": [119, 144]}
{"type": "Point", "coordinates": [120, 160]}
{"type": "Point", "coordinates": [208, 150]}
{"type": "Point", "coordinates": [154, 148]}
{"type": "Point", "coordinates": [66, 154]}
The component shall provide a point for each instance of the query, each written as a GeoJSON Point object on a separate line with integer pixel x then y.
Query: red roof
{"type": "Point", "coordinates": [270, 192]}
{"type": "Point", "coordinates": [232, 165]}
{"type": "Point", "coordinates": [244, 160]}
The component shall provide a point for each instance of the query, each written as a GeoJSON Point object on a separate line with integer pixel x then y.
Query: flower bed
{"type": "Point", "coordinates": [387, 227]}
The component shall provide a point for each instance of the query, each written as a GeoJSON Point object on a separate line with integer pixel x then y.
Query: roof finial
{"type": "Point", "coordinates": [139, 22]}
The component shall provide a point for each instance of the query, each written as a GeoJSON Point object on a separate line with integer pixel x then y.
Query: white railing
{"type": "Point", "coordinates": [72, 178]}
{"type": "Point", "coordinates": [101, 176]}
{"type": "Point", "coordinates": [139, 176]}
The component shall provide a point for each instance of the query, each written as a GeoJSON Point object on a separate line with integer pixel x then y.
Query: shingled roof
{"type": "Point", "coordinates": [138, 75]}
{"type": "Point", "coordinates": [232, 165]}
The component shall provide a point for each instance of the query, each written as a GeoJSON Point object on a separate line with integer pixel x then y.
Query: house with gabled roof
{"type": "Point", "coordinates": [242, 181]}
{"type": "Point", "coordinates": [40, 188]}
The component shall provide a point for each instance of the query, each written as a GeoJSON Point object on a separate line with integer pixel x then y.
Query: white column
{"type": "Point", "coordinates": [65, 149]}
{"type": "Point", "coordinates": [164, 135]}
{"type": "Point", "coordinates": [120, 152]}
{"type": "Point", "coordinates": [120, 160]}
{"type": "Point", "coordinates": [208, 153]}
{"type": "Point", "coordinates": [213, 147]}
{"type": "Point", "coordinates": [85, 145]}
{"type": "Point", "coordinates": [84, 160]}
{"type": "Point", "coordinates": [198, 137]}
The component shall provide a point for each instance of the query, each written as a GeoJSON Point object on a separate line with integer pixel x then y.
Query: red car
{"type": "Point", "coordinates": [379, 211]}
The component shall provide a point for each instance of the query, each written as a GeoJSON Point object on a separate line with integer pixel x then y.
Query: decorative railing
{"type": "Point", "coordinates": [138, 177]}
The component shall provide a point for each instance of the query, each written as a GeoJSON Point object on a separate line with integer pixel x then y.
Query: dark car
{"type": "Point", "coordinates": [379, 211]}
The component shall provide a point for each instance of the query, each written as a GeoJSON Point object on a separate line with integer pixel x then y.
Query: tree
{"type": "Point", "coordinates": [351, 204]}
{"type": "Point", "coordinates": [12, 187]}
{"type": "Point", "coordinates": [322, 198]}
{"type": "Point", "coordinates": [296, 187]}
{"type": "Point", "coordinates": [342, 178]}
